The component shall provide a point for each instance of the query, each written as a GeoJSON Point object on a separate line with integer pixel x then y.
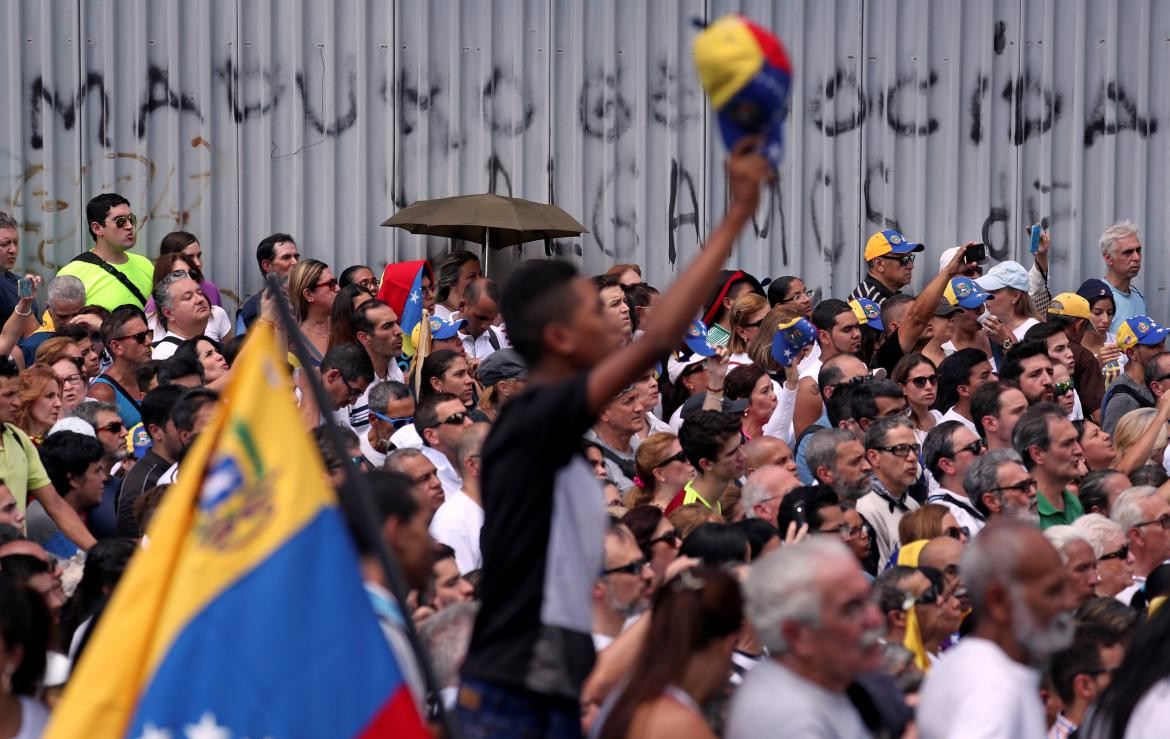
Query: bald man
{"type": "Point", "coordinates": [765, 450]}
{"type": "Point", "coordinates": [765, 489]}
{"type": "Point", "coordinates": [943, 554]}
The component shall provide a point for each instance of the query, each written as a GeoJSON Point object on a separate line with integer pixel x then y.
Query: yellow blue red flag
{"type": "Point", "coordinates": [246, 615]}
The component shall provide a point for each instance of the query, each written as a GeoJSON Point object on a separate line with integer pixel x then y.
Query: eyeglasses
{"type": "Point", "coordinates": [121, 221]}
{"type": "Point", "coordinates": [633, 568]}
{"type": "Point", "coordinates": [670, 537]}
{"type": "Point", "coordinates": [1163, 378]}
{"type": "Point", "coordinates": [957, 532]}
{"type": "Point", "coordinates": [1164, 522]}
{"type": "Point", "coordinates": [354, 393]}
{"type": "Point", "coordinates": [114, 427]}
{"type": "Point", "coordinates": [397, 423]}
{"type": "Point", "coordinates": [455, 419]}
{"type": "Point", "coordinates": [927, 597]}
{"type": "Point", "coordinates": [1023, 486]}
{"type": "Point", "coordinates": [797, 296]}
{"type": "Point", "coordinates": [904, 259]}
{"type": "Point", "coordinates": [900, 450]}
{"type": "Point", "coordinates": [370, 284]}
{"type": "Point", "coordinates": [975, 447]}
{"type": "Point", "coordinates": [73, 379]}
{"type": "Point", "coordinates": [141, 337]}
{"type": "Point", "coordinates": [1062, 388]}
{"type": "Point", "coordinates": [680, 457]}
{"type": "Point", "coordinates": [1121, 554]}
{"type": "Point", "coordinates": [921, 382]}
{"type": "Point", "coordinates": [428, 289]}
{"type": "Point", "coordinates": [331, 284]}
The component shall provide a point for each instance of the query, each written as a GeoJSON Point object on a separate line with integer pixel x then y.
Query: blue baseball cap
{"type": "Point", "coordinates": [139, 441]}
{"type": "Point", "coordinates": [696, 339]}
{"type": "Point", "coordinates": [1140, 330]}
{"type": "Point", "coordinates": [790, 338]}
{"type": "Point", "coordinates": [441, 329]}
{"type": "Point", "coordinates": [965, 293]}
{"type": "Point", "coordinates": [868, 313]}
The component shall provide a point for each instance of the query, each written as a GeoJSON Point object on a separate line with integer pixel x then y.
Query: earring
{"type": "Point", "coordinates": [6, 678]}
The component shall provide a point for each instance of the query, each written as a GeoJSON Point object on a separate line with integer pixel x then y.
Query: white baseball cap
{"type": "Point", "coordinates": [1004, 274]}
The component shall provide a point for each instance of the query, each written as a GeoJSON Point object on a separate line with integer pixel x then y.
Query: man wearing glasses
{"type": "Point", "coordinates": [623, 586]}
{"type": "Point", "coordinates": [889, 257]}
{"type": "Point", "coordinates": [440, 420]}
{"type": "Point", "coordinates": [127, 339]}
{"type": "Point", "coordinates": [892, 450]}
{"type": "Point", "coordinates": [391, 408]}
{"type": "Point", "coordinates": [112, 275]}
{"type": "Point", "coordinates": [1001, 487]}
{"type": "Point", "coordinates": [948, 451]}
{"type": "Point", "coordinates": [1145, 516]}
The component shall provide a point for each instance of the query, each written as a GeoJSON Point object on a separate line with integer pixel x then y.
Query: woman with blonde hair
{"type": "Point", "coordinates": [312, 289]}
{"type": "Point", "coordinates": [930, 521]}
{"type": "Point", "coordinates": [40, 401]}
{"type": "Point", "coordinates": [1140, 437]}
{"type": "Point", "coordinates": [1012, 312]}
{"type": "Point", "coordinates": [747, 315]}
{"type": "Point", "coordinates": [662, 470]}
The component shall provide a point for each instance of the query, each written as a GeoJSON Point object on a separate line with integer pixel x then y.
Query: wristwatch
{"type": "Point", "coordinates": [1007, 344]}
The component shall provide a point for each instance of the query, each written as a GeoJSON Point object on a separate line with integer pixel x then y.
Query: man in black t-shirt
{"type": "Point", "coordinates": [544, 518]}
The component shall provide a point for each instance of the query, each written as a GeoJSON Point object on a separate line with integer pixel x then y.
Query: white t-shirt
{"type": "Point", "coordinates": [481, 346]}
{"type": "Point", "coordinates": [457, 524]}
{"type": "Point", "coordinates": [977, 690]}
{"type": "Point", "coordinates": [218, 326]}
{"type": "Point", "coordinates": [372, 455]}
{"type": "Point", "coordinates": [1151, 715]}
{"type": "Point", "coordinates": [953, 415]}
{"type": "Point", "coordinates": [775, 701]}
{"type": "Point", "coordinates": [1023, 328]}
{"type": "Point", "coordinates": [406, 438]}
{"type": "Point", "coordinates": [34, 717]}
{"type": "Point", "coordinates": [451, 479]}
{"type": "Point", "coordinates": [942, 496]}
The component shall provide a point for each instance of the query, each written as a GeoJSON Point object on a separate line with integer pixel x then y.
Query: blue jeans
{"type": "Point", "coordinates": [485, 711]}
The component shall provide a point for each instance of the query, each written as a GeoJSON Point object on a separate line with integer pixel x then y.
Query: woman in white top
{"type": "Point", "coordinates": [918, 378]}
{"type": "Point", "coordinates": [747, 313]}
{"type": "Point", "coordinates": [1012, 312]}
{"type": "Point", "coordinates": [1102, 342]}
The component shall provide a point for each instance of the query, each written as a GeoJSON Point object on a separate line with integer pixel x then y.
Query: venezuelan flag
{"type": "Point", "coordinates": [246, 616]}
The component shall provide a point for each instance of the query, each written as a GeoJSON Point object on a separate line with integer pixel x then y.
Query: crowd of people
{"type": "Point", "coordinates": [735, 507]}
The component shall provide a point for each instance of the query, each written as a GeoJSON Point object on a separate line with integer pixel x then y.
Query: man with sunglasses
{"type": "Point", "coordinates": [1001, 487]}
{"type": "Point", "coordinates": [947, 452]}
{"type": "Point", "coordinates": [1047, 442]}
{"type": "Point", "coordinates": [1111, 549]}
{"type": "Point", "coordinates": [111, 273]}
{"type": "Point", "coordinates": [1145, 516]}
{"type": "Point", "coordinates": [391, 408]}
{"type": "Point", "coordinates": [892, 451]}
{"type": "Point", "coordinates": [622, 588]}
{"type": "Point", "coordinates": [889, 259]}
{"type": "Point", "coordinates": [441, 420]}
{"type": "Point", "coordinates": [127, 338]}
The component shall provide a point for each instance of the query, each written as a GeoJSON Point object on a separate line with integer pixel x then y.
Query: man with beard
{"type": "Point", "coordinates": [623, 589]}
{"type": "Point", "coordinates": [948, 452]}
{"type": "Point", "coordinates": [838, 458]}
{"type": "Point", "coordinates": [1001, 487]}
{"type": "Point", "coordinates": [810, 605]}
{"type": "Point", "coordinates": [1047, 442]}
{"type": "Point", "coordinates": [1080, 564]}
{"type": "Point", "coordinates": [1029, 365]}
{"type": "Point", "coordinates": [989, 682]}
{"type": "Point", "coordinates": [1145, 517]}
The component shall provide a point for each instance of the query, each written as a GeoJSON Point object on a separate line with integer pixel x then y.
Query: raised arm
{"type": "Point", "coordinates": [921, 310]}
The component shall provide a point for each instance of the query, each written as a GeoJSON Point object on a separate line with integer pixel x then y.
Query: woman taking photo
{"type": "Point", "coordinates": [40, 401]}
{"type": "Point", "coordinates": [662, 471]}
{"type": "Point", "coordinates": [684, 661]}
{"type": "Point", "coordinates": [312, 289]}
{"type": "Point", "coordinates": [918, 378]}
{"type": "Point", "coordinates": [1012, 312]}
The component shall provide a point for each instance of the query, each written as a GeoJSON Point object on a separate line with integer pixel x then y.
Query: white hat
{"type": "Point", "coordinates": [675, 366]}
{"type": "Point", "coordinates": [945, 260]}
{"type": "Point", "coordinates": [72, 424]}
{"type": "Point", "coordinates": [1004, 274]}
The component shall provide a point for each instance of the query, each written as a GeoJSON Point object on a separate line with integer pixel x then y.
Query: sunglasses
{"type": "Point", "coordinates": [397, 423]}
{"type": "Point", "coordinates": [670, 537]}
{"type": "Point", "coordinates": [455, 419]}
{"type": "Point", "coordinates": [1061, 389]}
{"type": "Point", "coordinates": [121, 221]}
{"type": "Point", "coordinates": [900, 450]}
{"type": "Point", "coordinates": [921, 382]}
{"type": "Point", "coordinates": [975, 447]}
{"type": "Point", "coordinates": [1164, 522]}
{"type": "Point", "coordinates": [114, 427]}
{"type": "Point", "coordinates": [957, 532]}
{"type": "Point", "coordinates": [331, 284]}
{"type": "Point", "coordinates": [927, 597]}
{"type": "Point", "coordinates": [1121, 554]}
{"type": "Point", "coordinates": [1023, 487]}
{"type": "Point", "coordinates": [755, 324]}
{"type": "Point", "coordinates": [680, 457]}
{"type": "Point", "coordinates": [141, 337]}
{"type": "Point", "coordinates": [633, 568]}
{"type": "Point", "coordinates": [904, 259]}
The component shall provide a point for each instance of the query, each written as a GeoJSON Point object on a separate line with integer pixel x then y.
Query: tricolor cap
{"type": "Point", "coordinates": [1071, 305]}
{"type": "Point", "coordinates": [868, 313]}
{"type": "Point", "coordinates": [696, 339]}
{"type": "Point", "coordinates": [790, 338]}
{"type": "Point", "coordinates": [746, 73]}
{"type": "Point", "coordinates": [965, 293]}
{"type": "Point", "coordinates": [1140, 330]}
{"type": "Point", "coordinates": [440, 329]}
{"type": "Point", "coordinates": [138, 440]}
{"type": "Point", "coordinates": [889, 242]}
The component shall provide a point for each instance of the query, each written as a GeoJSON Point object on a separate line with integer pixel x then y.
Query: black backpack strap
{"type": "Point", "coordinates": [167, 340]}
{"type": "Point", "coordinates": [89, 257]}
{"type": "Point", "coordinates": [625, 465]}
{"type": "Point", "coordinates": [1123, 390]}
{"type": "Point", "coordinates": [119, 389]}
{"type": "Point", "coordinates": [495, 342]}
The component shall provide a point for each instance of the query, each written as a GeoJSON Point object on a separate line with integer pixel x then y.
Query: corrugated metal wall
{"type": "Point", "coordinates": [949, 120]}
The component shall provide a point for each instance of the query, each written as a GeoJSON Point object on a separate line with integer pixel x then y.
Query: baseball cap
{"type": "Point", "coordinates": [965, 293]}
{"type": "Point", "coordinates": [72, 423]}
{"type": "Point", "coordinates": [502, 364]}
{"type": "Point", "coordinates": [868, 313]}
{"type": "Point", "coordinates": [889, 242]}
{"type": "Point", "coordinates": [946, 308]}
{"type": "Point", "coordinates": [746, 73]}
{"type": "Point", "coordinates": [696, 339]}
{"type": "Point", "coordinates": [945, 260]}
{"type": "Point", "coordinates": [1071, 305]}
{"type": "Point", "coordinates": [440, 329]}
{"type": "Point", "coordinates": [1094, 289]}
{"type": "Point", "coordinates": [1004, 274]}
{"type": "Point", "coordinates": [676, 365]}
{"type": "Point", "coordinates": [1140, 330]}
{"type": "Point", "coordinates": [695, 403]}
{"type": "Point", "coordinates": [790, 338]}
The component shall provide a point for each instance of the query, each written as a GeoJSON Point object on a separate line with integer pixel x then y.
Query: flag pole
{"type": "Point", "coordinates": [355, 498]}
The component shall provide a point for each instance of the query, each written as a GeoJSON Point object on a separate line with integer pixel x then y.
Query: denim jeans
{"type": "Point", "coordinates": [487, 711]}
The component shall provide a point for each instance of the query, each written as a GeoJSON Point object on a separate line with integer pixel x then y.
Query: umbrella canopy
{"type": "Point", "coordinates": [510, 221]}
